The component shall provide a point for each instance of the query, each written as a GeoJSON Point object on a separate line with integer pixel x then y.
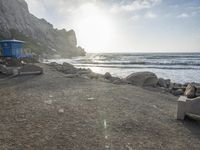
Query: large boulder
{"type": "Point", "coordinates": [190, 91]}
{"type": "Point", "coordinates": [69, 68]}
{"type": "Point", "coordinates": [143, 79]}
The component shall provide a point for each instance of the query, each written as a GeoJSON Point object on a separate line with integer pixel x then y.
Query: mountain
{"type": "Point", "coordinates": [16, 22]}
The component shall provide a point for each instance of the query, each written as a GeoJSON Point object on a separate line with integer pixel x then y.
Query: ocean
{"type": "Point", "coordinates": [179, 67]}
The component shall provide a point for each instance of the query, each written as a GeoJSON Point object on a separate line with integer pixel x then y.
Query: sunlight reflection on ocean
{"type": "Point", "coordinates": [179, 67]}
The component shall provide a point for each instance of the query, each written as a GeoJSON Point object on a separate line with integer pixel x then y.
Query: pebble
{"type": "Point", "coordinates": [91, 98]}
{"type": "Point", "coordinates": [49, 102]}
{"type": "Point", "coordinates": [61, 110]}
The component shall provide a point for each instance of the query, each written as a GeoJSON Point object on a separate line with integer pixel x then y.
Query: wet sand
{"type": "Point", "coordinates": [51, 111]}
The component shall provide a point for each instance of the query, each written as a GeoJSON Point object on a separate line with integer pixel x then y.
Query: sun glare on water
{"type": "Point", "coordinates": [94, 28]}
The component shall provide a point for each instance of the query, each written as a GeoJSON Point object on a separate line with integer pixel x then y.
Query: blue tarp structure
{"type": "Point", "coordinates": [12, 48]}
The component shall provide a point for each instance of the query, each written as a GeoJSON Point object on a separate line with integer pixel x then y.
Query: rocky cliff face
{"type": "Point", "coordinates": [40, 36]}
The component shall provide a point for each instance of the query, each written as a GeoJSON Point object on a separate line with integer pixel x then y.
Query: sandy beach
{"type": "Point", "coordinates": [52, 111]}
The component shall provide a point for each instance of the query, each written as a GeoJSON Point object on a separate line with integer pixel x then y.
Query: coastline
{"type": "Point", "coordinates": [65, 111]}
{"type": "Point", "coordinates": [178, 67]}
{"type": "Point", "coordinates": [161, 84]}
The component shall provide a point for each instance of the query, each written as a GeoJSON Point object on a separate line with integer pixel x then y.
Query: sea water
{"type": "Point", "coordinates": [179, 67]}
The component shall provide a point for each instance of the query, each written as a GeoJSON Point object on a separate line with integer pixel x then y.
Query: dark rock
{"type": "Point", "coordinates": [190, 91]}
{"type": "Point", "coordinates": [53, 64]}
{"type": "Point", "coordinates": [56, 66]}
{"type": "Point", "coordinates": [164, 83]}
{"type": "Point", "coordinates": [168, 81]}
{"type": "Point", "coordinates": [107, 75]}
{"type": "Point", "coordinates": [197, 92]}
{"type": "Point", "coordinates": [69, 68]}
{"type": "Point", "coordinates": [112, 79]}
{"type": "Point", "coordinates": [178, 92]}
{"type": "Point", "coordinates": [143, 79]}
{"type": "Point", "coordinates": [177, 85]}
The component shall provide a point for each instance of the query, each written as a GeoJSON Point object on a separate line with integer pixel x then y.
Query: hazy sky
{"type": "Point", "coordinates": [126, 25]}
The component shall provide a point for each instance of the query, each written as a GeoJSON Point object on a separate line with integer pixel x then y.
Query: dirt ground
{"type": "Point", "coordinates": [53, 112]}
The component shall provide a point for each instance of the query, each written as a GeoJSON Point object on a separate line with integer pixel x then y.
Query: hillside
{"type": "Point", "coordinates": [41, 37]}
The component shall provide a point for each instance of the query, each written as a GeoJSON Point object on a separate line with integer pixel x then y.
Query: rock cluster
{"type": "Point", "coordinates": [71, 71]}
{"type": "Point", "coordinates": [190, 90]}
{"type": "Point", "coordinates": [141, 79]}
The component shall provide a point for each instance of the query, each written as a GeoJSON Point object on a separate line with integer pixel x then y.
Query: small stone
{"type": "Point", "coordinates": [73, 135]}
{"type": "Point", "coordinates": [49, 102]}
{"type": "Point", "coordinates": [61, 110]}
{"type": "Point", "coordinates": [91, 98]}
{"type": "Point", "coordinates": [107, 75]}
{"type": "Point", "coordinates": [178, 92]}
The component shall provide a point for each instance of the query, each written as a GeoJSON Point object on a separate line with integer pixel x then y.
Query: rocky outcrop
{"type": "Point", "coordinates": [192, 90]}
{"type": "Point", "coordinates": [143, 79]}
{"type": "Point", "coordinates": [40, 36]}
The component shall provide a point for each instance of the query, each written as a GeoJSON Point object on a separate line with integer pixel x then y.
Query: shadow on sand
{"type": "Point", "coordinates": [14, 80]}
{"type": "Point", "coordinates": [192, 123]}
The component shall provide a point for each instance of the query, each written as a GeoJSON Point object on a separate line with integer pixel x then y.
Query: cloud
{"type": "Point", "coordinates": [150, 15]}
{"type": "Point", "coordinates": [64, 7]}
{"type": "Point", "coordinates": [135, 17]}
{"type": "Point", "coordinates": [183, 15]}
{"type": "Point", "coordinates": [134, 6]}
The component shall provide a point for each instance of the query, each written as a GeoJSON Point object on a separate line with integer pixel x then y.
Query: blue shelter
{"type": "Point", "coordinates": [12, 48]}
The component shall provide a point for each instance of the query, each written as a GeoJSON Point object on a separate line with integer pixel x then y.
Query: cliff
{"type": "Point", "coordinates": [41, 37]}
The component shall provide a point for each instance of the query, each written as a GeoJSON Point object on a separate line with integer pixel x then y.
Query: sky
{"type": "Point", "coordinates": [126, 25]}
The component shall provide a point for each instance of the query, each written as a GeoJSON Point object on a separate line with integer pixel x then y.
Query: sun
{"type": "Point", "coordinates": [95, 30]}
